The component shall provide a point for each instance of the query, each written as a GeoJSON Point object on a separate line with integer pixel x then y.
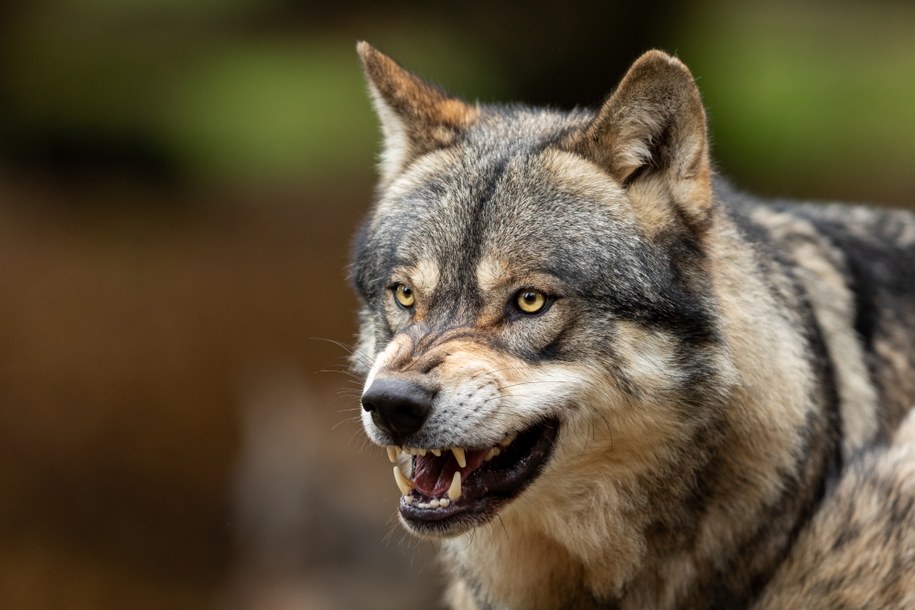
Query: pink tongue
{"type": "Point", "coordinates": [432, 476]}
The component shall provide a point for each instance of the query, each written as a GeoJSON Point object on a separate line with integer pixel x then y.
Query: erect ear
{"type": "Point", "coordinates": [416, 117]}
{"type": "Point", "coordinates": [651, 134]}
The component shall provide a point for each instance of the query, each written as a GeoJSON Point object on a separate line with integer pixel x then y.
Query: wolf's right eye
{"type": "Point", "coordinates": [530, 301]}
{"type": "Point", "coordinates": [404, 296]}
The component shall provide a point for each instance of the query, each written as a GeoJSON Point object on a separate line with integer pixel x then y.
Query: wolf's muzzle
{"type": "Point", "coordinates": [399, 407]}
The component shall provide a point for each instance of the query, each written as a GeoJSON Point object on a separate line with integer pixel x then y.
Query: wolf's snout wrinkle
{"type": "Point", "coordinates": [398, 407]}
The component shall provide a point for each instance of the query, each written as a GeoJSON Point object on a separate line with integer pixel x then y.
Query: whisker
{"type": "Point", "coordinates": [392, 526]}
{"type": "Point", "coordinates": [348, 393]}
{"type": "Point", "coordinates": [346, 420]}
{"type": "Point", "coordinates": [494, 371]}
{"type": "Point", "coordinates": [521, 383]}
{"type": "Point", "coordinates": [354, 353]}
{"type": "Point", "coordinates": [345, 372]}
{"type": "Point", "coordinates": [348, 349]}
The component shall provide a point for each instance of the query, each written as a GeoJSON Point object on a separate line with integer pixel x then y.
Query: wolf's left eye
{"type": "Point", "coordinates": [404, 296]}
{"type": "Point", "coordinates": [530, 301]}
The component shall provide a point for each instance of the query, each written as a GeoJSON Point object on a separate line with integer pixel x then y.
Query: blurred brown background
{"type": "Point", "coordinates": [179, 182]}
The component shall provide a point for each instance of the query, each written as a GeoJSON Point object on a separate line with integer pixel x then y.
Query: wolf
{"type": "Point", "coordinates": [608, 379]}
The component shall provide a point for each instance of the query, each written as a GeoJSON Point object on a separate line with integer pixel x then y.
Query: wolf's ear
{"type": "Point", "coordinates": [651, 132]}
{"type": "Point", "coordinates": [416, 117]}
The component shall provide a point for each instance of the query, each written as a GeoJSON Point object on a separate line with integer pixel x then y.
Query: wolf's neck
{"type": "Point", "coordinates": [506, 567]}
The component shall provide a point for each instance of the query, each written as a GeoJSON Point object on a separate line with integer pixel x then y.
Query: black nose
{"type": "Point", "coordinates": [398, 407]}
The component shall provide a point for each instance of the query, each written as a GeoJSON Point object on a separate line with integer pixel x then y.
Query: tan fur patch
{"type": "Point", "coordinates": [651, 198]}
{"type": "Point", "coordinates": [575, 174]}
{"type": "Point", "coordinates": [647, 356]}
{"type": "Point", "coordinates": [491, 273]}
{"type": "Point", "coordinates": [424, 276]}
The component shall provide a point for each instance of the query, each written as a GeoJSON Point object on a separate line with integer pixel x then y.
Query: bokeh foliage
{"type": "Point", "coordinates": [812, 97]}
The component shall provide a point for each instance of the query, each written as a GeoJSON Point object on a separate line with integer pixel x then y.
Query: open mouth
{"type": "Point", "coordinates": [448, 490]}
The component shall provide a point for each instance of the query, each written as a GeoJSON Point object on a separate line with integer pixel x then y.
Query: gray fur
{"type": "Point", "coordinates": [715, 363]}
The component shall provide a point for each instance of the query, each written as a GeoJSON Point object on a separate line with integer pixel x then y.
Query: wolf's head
{"type": "Point", "coordinates": [536, 302]}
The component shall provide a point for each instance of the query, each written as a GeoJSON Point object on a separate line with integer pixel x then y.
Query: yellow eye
{"type": "Point", "coordinates": [530, 301]}
{"type": "Point", "coordinates": [404, 295]}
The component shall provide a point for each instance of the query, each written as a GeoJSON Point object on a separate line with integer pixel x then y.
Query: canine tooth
{"type": "Point", "coordinates": [454, 492]}
{"type": "Point", "coordinates": [437, 452]}
{"type": "Point", "coordinates": [405, 467]}
{"type": "Point", "coordinates": [459, 456]}
{"type": "Point", "coordinates": [444, 502]}
{"type": "Point", "coordinates": [403, 482]}
{"type": "Point", "coordinates": [405, 463]}
{"type": "Point", "coordinates": [392, 452]}
{"type": "Point", "coordinates": [509, 439]}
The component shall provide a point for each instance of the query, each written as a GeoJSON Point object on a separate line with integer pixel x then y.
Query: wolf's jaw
{"type": "Point", "coordinates": [404, 477]}
{"type": "Point", "coordinates": [448, 490]}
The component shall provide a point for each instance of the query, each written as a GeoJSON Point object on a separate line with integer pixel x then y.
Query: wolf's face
{"type": "Point", "coordinates": [535, 293]}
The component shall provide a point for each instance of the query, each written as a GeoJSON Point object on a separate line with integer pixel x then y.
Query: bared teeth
{"type": "Point", "coordinates": [454, 492]}
{"type": "Point", "coordinates": [437, 452]}
{"type": "Point", "coordinates": [405, 466]}
{"type": "Point", "coordinates": [459, 456]}
{"type": "Point", "coordinates": [392, 452]}
{"type": "Point", "coordinates": [403, 483]}
{"type": "Point", "coordinates": [493, 452]}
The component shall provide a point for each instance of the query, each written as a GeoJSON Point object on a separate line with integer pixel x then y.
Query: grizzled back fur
{"type": "Point", "coordinates": [695, 369]}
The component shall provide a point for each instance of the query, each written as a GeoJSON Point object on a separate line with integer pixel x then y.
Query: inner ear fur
{"type": "Point", "coordinates": [653, 128]}
{"type": "Point", "coordinates": [416, 116]}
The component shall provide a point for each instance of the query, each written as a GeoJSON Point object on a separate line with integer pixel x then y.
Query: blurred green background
{"type": "Point", "coordinates": [179, 182]}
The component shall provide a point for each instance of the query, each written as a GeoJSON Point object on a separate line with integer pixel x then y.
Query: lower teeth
{"type": "Point", "coordinates": [434, 503]}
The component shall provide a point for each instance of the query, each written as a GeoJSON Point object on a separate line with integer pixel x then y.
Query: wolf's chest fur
{"type": "Point", "coordinates": [607, 380]}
